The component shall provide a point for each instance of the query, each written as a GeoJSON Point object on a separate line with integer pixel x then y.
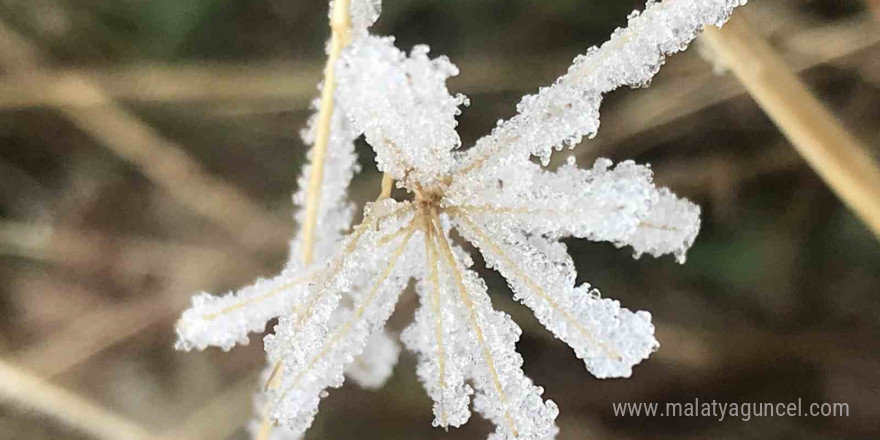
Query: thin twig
{"type": "Point", "coordinates": [838, 157]}
{"type": "Point", "coordinates": [387, 186]}
{"type": "Point", "coordinates": [340, 24]}
{"type": "Point", "coordinates": [340, 27]}
{"type": "Point", "coordinates": [23, 388]}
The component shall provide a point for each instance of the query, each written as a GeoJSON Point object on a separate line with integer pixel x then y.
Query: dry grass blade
{"type": "Point", "coordinates": [181, 267]}
{"type": "Point", "coordinates": [89, 250]}
{"type": "Point", "coordinates": [163, 161]}
{"type": "Point", "coordinates": [221, 416]}
{"type": "Point", "coordinates": [22, 388]}
{"type": "Point", "coordinates": [838, 157]}
{"type": "Point", "coordinates": [287, 83]}
{"type": "Point", "coordinates": [94, 332]}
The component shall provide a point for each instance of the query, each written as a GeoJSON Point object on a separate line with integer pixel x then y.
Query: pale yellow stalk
{"type": "Point", "coordinates": [340, 24]}
{"type": "Point", "coordinates": [837, 156]}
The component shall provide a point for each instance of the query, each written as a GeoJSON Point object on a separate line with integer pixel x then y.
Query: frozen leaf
{"type": "Point", "coordinates": [402, 105]}
{"type": "Point", "coordinates": [603, 203]}
{"type": "Point", "coordinates": [374, 266]}
{"type": "Point", "coordinates": [610, 339]}
{"type": "Point", "coordinates": [223, 321]}
{"type": "Point", "coordinates": [618, 204]}
{"type": "Point", "coordinates": [669, 228]}
{"type": "Point", "coordinates": [376, 363]}
{"type": "Point", "coordinates": [504, 394]}
{"type": "Point", "coordinates": [563, 113]}
{"type": "Point", "coordinates": [438, 336]}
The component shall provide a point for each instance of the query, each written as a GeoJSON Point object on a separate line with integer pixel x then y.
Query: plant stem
{"type": "Point", "coordinates": [840, 159]}
{"type": "Point", "coordinates": [387, 186]}
{"type": "Point", "coordinates": [340, 23]}
{"type": "Point", "coordinates": [340, 27]}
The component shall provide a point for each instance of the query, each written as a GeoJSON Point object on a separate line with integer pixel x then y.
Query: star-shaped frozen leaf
{"type": "Point", "coordinates": [511, 209]}
{"type": "Point", "coordinates": [602, 203]}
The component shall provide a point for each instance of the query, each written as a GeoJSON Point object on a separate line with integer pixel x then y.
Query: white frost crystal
{"type": "Point", "coordinates": [402, 105]}
{"type": "Point", "coordinates": [224, 321]}
{"type": "Point", "coordinates": [374, 366]}
{"type": "Point", "coordinates": [438, 336]}
{"type": "Point", "coordinates": [312, 352]}
{"type": "Point", "coordinates": [562, 114]}
{"type": "Point", "coordinates": [669, 228]}
{"type": "Point", "coordinates": [511, 209]}
{"type": "Point", "coordinates": [541, 274]}
{"type": "Point", "coordinates": [363, 14]}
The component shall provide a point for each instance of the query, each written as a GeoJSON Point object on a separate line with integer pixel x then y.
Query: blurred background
{"type": "Point", "coordinates": [148, 150]}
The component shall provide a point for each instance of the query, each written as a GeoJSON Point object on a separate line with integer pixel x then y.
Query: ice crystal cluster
{"type": "Point", "coordinates": [332, 312]}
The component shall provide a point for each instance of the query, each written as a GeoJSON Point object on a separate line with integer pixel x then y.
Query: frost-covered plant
{"type": "Point", "coordinates": [509, 207]}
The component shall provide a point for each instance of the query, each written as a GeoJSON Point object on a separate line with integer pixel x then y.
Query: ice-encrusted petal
{"type": "Point", "coordinates": [563, 113]}
{"type": "Point", "coordinates": [226, 320]}
{"type": "Point", "coordinates": [402, 105]}
{"type": "Point", "coordinates": [670, 227]}
{"type": "Point", "coordinates": [436, 335]}
{"type": "Point", "coordinates": [223, 321]}
{"type": "Point", "coordinates": [603, 203]}
{"type": "Point", "coordinates": [610, 339]}
{"type": "Point", "coordinates": [314, 344]}
{"type": "Point", "coordinates": [376, 363]}
{"type": "Point", "coordinates": [618, 204]}
{"type": "Point", "coordinates": [363, 14]}
{"type": "Point", "coordinates": [504, 394]}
